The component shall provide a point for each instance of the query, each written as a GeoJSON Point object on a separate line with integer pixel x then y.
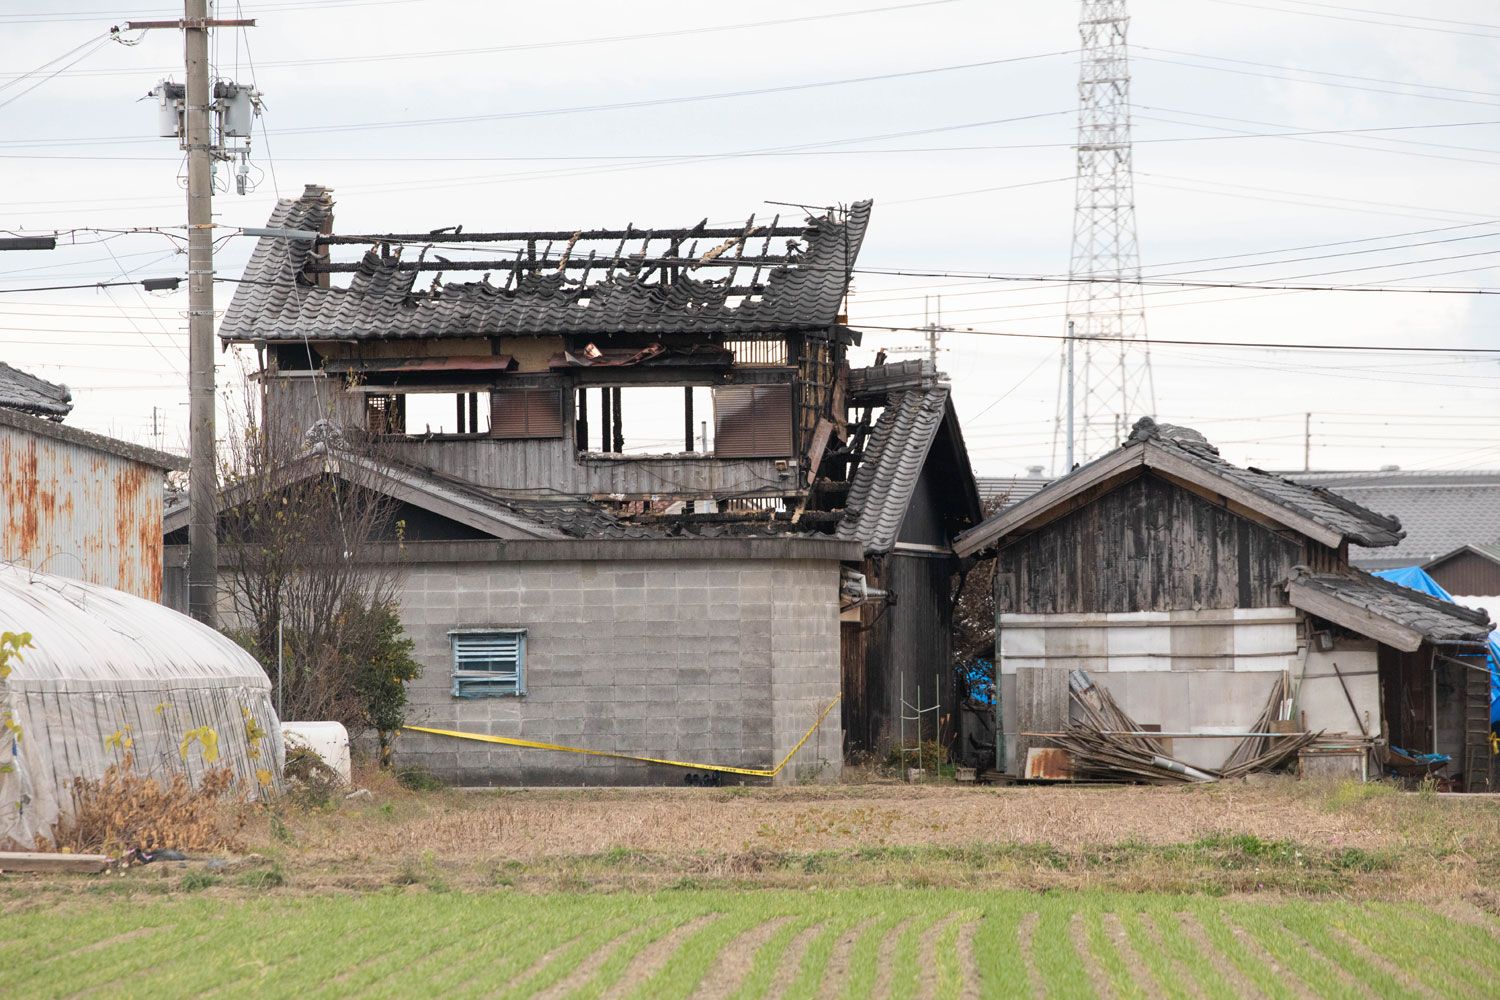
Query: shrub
{"type": "Point", "coordinates": [125, 809]}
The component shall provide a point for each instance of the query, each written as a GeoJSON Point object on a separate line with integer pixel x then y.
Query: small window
{"type": "Point", "coordinates": [489, 663]}
{"type": "Point", "coordinates": [526, 413]}
{"type": "Point", "coordinates": [385, 414]}
{"type": "Point", "coordinates": [446, 413]}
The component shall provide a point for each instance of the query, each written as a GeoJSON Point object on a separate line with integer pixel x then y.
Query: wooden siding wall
{"type": "Point", "coordinates": [1145, 546]}
{"type": "Point", "coordinates": [912, 642]}
{"type": "Point", "coordinates": [546, 465]}
{"type": "Point", "coordinates": [1468, 574]}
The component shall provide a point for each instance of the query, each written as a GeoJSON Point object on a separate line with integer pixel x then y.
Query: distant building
{"type": "Point", "coordinates": [26, 393]}
{"type": "Point", "coordinates": [77, 504]}
{"type": "Point", "coordinates": [1469, 570]}
{"type": "Point", "coordinates": [1009, 490]}
{"type": "Point", "coordinates": [1193, 590]}
{"type": "Point", "coordinates": [1440, 511]}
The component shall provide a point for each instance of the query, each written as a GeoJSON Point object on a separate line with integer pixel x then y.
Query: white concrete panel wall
{"type": "Point", "coordinates": [1201, 672]}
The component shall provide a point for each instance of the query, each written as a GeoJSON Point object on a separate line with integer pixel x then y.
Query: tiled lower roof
{"type": "Point", "coordinates": [891, 464]}
{"type": "Point", "coordinates": [1438, 621]}
{"type": "Point", "coordinates": [25, 392]}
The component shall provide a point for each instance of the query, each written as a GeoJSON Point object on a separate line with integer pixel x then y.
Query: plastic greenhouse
{"type": "Point", "coordinates": [108, 674]}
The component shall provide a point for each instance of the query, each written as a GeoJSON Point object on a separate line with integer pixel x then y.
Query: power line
{"type": "Point", "coordinates": [662, 101]}
{"type": "Point", "coordinates": [1271, 346]}
{"type": "Point", "coordinates": [1320, 83]}
{"type": "Point", "coordinates": [559, 43]}
{"type": "Point", "coordinates": [1304, 69]}
{"type": "Point", "coordinates": [1357, 20]}
{"type": "Point", "coordinates": [89, 49]}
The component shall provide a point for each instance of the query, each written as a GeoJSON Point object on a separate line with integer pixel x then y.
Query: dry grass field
{"type": "Point", "coordinates": [1278, 889]}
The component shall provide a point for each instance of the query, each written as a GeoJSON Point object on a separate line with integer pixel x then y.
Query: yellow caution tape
{"type": "Point", "coordinates": [512, 741]}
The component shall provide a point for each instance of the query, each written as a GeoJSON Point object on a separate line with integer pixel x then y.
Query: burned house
{"type": "Point", "coordinates": [1193, 591]}
{"type": "Point", "coordinates": [643, 498]}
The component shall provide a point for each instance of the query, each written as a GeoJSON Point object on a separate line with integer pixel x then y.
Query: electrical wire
{"type": "Point", "coordinates": [1356, 20]}
{"type": "Point", "coordinates": [89, 49]}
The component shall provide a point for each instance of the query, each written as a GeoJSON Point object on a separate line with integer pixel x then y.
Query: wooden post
{"type": "Point", "coordinates": [581, 423]}
{"type": "Point", "coordinates": [619, 421]}
{"type": "Point", "coordinates": [687, 418]}
{"type": "Point", "coordinates": [604, 420]}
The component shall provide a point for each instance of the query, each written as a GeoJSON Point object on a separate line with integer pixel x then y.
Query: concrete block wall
{"type": "Point", "coordinates": [802, 683]}
{"type": "Point", "coordinates": [694, 660]}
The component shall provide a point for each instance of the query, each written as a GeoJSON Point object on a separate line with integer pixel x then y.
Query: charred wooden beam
{"type": "Point", "coordinates": [779, 517]}
{"type": "Point", "coordinates": [365, 239]}
{"type": "Point", "coordinates": [542, 263]}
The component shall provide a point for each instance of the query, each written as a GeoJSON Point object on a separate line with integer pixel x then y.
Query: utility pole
{"type": "Point", "coordinates": [1069, 467]}
{"type": "Point", "coordinates": [932, 330]}
{"type": "Point", "coordinates": [1307, 443]}
{"type": "Point", "coordinates": [203, 538]}
{"type": "Point", "coordinates": [198, 141]}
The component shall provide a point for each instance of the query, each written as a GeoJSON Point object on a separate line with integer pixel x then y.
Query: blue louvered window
{"type": "Point", "coordinates": [489, 663]}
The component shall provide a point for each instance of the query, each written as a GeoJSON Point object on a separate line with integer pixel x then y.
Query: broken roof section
{"type": "Point", "coordinates": [1394, 615]}
{"type": "Point", "coordinates": [702, 280]}
{"type": "Point", "coordinates": [451, 499]}
{"type": "Point", "coordinates": [918, 422]}
{"type": "Point", "coordinates": [1183, 454]}
{"type": "Point", "coordinates": [25, 392]}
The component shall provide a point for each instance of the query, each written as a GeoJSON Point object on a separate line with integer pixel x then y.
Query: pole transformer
{"type": "Point", "coordinates": [1106, 316]}
{"type": "Point", "coordinates": [197, 133]}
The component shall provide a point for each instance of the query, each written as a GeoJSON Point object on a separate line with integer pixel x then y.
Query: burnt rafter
{"type": "Point", "coordinates": [551, 264]}
{"type": "Point", "coordinates": [365, 239]}
{"type": "Point", "coordinates": [742, 282]}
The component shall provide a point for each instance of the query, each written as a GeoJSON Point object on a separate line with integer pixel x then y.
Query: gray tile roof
{"type": "Point", "coordinates": [1334, 511]}
{"type": "Point", "coordinates": [380, 301]}
{"type": "Point", "coordinates": [1440, 511]}
{"type": "Point", "coordinates": [881, 380]}
{"type": "Point", "coordinates": [1435, 619]}
{"type": "Point", "coordinates": [1009, 489]}
{"type": "Point", "coordinates": [891, 464]}
{"type": "Point", "coordinates": [29, 394]}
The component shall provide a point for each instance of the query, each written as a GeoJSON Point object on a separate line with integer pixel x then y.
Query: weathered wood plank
{"type": "Point", "coordinates": [1148, 545]}
{"type": "Point", "coordinates": [31, 861]}
{"type": "Point", "coordinates": [1041, 706]}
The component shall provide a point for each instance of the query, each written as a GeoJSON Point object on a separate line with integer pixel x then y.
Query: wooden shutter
{"type": "Point", "coordinates": [753, 421]}
{"type": "Point", "coordinates": [526, 413]}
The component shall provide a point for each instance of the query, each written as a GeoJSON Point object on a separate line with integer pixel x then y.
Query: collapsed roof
{"type": "Point", "coordinates": [1183, 453]}
{"type": "Point", "coordinates": [635, 281]}
{"type": "Point", "coordinates": [1397, 616]}
{"type": "Point", "coordinates": [918, 418]}
{"type": "Point", "coordinates": [25, 392]}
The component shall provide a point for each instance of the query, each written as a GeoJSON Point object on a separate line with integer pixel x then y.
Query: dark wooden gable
{"type": "Point", "coordinates": [1148, 545]}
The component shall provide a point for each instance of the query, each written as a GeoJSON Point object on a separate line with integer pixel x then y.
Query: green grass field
{"type": "Point", "coordinates": [894, 942]}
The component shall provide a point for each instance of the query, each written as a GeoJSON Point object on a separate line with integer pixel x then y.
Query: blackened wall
{"type": "Point", "coordinates": [1146, 546]}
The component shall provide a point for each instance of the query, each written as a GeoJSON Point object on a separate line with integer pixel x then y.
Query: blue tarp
{"type": "Point", "coordinates": [1416, 578]}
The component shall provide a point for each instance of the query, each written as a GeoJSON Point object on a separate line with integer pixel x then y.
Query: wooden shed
{"type": "Point", "coordinates": [1191, 588]}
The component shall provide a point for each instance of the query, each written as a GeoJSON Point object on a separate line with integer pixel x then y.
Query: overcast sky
{"type": "Point", "coordinates": [984, 184]}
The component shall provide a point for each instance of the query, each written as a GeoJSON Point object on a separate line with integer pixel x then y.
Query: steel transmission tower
{"type": "Point", "coordinates": [1105, 311]}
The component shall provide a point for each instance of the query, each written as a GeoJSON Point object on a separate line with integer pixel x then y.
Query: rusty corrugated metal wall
{"type": "Point", "coordinates": [77, 512]}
